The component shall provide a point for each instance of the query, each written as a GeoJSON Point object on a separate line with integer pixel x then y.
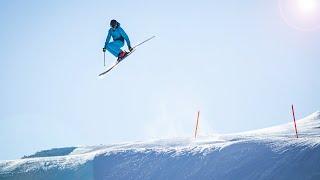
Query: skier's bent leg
{"type": "Point", "coordinates": [112, 49]}
{"type": "Point", "coordinates": [115, 47]}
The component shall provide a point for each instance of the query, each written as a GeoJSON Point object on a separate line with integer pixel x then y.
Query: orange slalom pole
{"type": "Point", "coordinates": [196, 131]}
{"type": "Point", "coordinates": [294, 120]}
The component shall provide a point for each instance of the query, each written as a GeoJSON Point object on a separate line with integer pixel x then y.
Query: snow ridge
{"type": "Point", "coordinates": [270, 153]}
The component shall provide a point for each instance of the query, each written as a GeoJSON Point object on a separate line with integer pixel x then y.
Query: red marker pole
{"type": "Point", "coordinates": [294, 120]}
{"type": "Point", "coordinates": [195, 132]}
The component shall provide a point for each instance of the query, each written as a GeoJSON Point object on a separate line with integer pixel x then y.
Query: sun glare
{"type": "Point", "coordinates": [301, 14]}
{"type": "Point", "coordinates": [307, 6]}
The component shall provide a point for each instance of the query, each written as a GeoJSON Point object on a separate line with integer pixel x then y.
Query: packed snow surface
{"type": "Point", "coordinates": [270, 153]}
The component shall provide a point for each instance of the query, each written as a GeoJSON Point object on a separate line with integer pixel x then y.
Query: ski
{"type": "Point", "coordinates": [129, 53]}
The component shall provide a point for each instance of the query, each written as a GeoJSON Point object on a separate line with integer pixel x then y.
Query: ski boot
{"type": "Point", "coordinates": [122, 55]}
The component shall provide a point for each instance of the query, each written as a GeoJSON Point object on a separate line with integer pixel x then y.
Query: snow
{"type": "Point", "coordinates": [270, 153]}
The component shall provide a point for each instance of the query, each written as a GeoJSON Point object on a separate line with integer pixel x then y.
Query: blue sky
{"type": "Point", "coordinates": [240, 63]}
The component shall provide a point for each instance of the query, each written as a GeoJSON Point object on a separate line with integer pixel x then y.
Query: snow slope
{"type": "Point", "coordinates": [270, 153]}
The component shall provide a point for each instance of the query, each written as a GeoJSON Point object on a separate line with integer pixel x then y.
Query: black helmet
{"type": "Point", "coordinates": [114, 23]}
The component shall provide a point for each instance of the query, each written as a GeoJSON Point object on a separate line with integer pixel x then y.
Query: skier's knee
{"type": "Point", "coordinates": [110, 47]}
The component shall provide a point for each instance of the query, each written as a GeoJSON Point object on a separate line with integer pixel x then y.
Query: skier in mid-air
{"type": "Point", "coordinates": [119, 36]}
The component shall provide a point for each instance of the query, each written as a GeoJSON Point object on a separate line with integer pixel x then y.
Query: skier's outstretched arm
{"type": "Point", "coordinates": [125, 36]}
{"type": "Point", "coordinates": [107, 39]}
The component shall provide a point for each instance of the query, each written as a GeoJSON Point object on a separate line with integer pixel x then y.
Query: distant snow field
{"type": "Point", "coordinates": [270, 153]}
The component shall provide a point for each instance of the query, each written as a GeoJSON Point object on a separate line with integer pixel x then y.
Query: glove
{"type": "Point", "coordinates": [104, 49]}
{"type": "Point", "coordinates": [130, 48]}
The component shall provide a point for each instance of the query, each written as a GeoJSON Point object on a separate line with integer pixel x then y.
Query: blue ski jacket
{"type": "Point", "coordinates": [117, 34]}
